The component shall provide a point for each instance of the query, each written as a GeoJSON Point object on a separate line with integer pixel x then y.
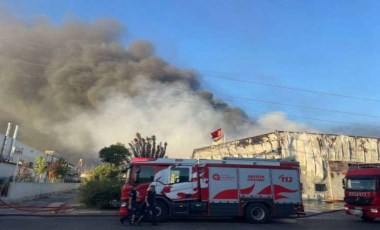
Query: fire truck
{"type": "Point", "coordinates": [362, 191]}
{"type": "Point", "coordinates": [252, 188]}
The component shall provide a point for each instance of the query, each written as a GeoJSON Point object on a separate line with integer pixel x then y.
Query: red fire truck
{"type": "Point", "coordinates": [362, 191]}
{"type": "Point", "coordinates": [255, 189]}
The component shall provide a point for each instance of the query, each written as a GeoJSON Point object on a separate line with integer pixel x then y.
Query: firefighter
{"type": "Point", "coordinates": [132, 207]}
{"type": "Point", "coordinates": [149, 206]}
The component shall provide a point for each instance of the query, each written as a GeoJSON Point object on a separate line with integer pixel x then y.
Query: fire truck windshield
{"type": "Point", "coordinates": [143, 174]}
{"type": "Point", "coordinates": [360, 184]}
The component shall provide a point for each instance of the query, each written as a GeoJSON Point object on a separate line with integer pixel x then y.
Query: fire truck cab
{"type": "Point", "coordinates": [255, 189]}
{"type": "Point", "coordinates": [362, 191]}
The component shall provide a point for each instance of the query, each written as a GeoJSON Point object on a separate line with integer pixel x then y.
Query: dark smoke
{"type": "Point", "coordinates": [66, 85]}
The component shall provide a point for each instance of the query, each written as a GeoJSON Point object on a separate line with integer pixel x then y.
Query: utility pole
{"type": "Point", "coordinates": [12, 149]}
{"type": "Point", "coordinates": [5, 139]}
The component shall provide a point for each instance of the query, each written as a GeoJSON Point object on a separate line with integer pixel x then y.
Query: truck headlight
{"type": "Point", "coordinates": [346, 208]}
{"type": "Point", "coordinates": [374, 210]}
{"type": "Point", "coordinates": [123, 204]}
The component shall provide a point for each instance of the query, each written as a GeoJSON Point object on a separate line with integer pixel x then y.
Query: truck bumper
{"type": "Point", "coordinates": [123, 211]}
{"type": "Point", "coordinates": [363, 211]}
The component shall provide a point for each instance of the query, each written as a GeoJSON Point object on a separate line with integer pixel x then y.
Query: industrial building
{"type": "Point", "coordinates": [323, 157]}
{"type": "Point", "coordinates": [17, 178]}
{"type": "Point", "coordinates": [13, 152]}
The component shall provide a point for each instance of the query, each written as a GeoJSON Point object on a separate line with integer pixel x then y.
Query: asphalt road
{"type": "Point", "coordinates": [320, 216]}
{"type": "Point", "coordinates": [332, 221]}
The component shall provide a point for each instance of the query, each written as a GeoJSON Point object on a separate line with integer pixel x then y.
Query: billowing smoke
{"type": "Point", "coordinates": [75, 88]}
{"type": "Point", "coordinates": [278, 121]}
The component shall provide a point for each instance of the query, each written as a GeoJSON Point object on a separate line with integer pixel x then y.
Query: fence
{"type": "Point", "coordinates": [24, 190]}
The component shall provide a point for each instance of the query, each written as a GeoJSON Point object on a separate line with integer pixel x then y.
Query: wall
{"type": "Point", "coordinates": [22, 190]}
{"type": "Point", "coordinates": [7, 169]}
{"type": "Point", "coordinates": [314, 152]}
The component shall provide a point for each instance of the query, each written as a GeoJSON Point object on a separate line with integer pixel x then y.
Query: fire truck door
{"type": "Point", "coordinates": [223, 191]}
{"type": "Point", "coordinates": [180, 182]}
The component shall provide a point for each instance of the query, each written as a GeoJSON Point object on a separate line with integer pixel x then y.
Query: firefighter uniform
{"type": "Point", "coordinates": [132, 208]}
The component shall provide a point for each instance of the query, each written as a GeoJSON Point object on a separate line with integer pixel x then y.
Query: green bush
{"type": "Point", "coordinates": [103, 186]}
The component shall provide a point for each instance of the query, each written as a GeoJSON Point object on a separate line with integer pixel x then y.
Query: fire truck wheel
{"type": "Point", "coordinates": [256, 213]}
{"type": "Point", "coordinates": [367, 219]}
{"type": "Point", "coordinates": [162, 211]}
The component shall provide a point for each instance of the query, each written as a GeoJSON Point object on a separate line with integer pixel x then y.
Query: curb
{"type": "Point", "coordinates": [320, 213]}
{"type": "Point", "coordinates": [116, 215]}
{"type": "Point", "coordinates": [59, 215]}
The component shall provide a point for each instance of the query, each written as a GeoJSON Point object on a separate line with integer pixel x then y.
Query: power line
{"type": "Point", "coordinates": [298, 106]}
{"type": "Point", "coordinates": [204, 74]}
{"type": "Point", "coordinates": [240, 98]}
{"type": "Point", "coordinates": [265, 112]}
{"type": "Point", "coordinates": [291, 88]}
{"type": "Point", "coordinates": [301, 106]}
{"type": "Point", "coordinates": [223, 106]}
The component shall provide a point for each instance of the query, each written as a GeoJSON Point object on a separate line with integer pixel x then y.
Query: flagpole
{"type": "Point", "coordinates": [224, 141]}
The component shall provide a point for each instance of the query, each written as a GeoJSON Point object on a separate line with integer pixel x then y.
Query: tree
{"type": "Point", "coordinates": [102, 187]}
{"type": "Point", "coordinates": [115, 154]}
{"type": "Point", "coordinates": [147, 147]}
{"type": "Point", "coordinates": [104, 173]}
{"type": "Point", "coordinates": [58, 169]}
{"type": "Point", "coordinates": [40, 167]}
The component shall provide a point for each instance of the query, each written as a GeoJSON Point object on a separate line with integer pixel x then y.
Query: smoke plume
{"type": "Point", "coordinates": [75, 88]}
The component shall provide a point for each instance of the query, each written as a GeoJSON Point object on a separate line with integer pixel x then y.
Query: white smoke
{"type": "Point", "coordinates": [278, 120]}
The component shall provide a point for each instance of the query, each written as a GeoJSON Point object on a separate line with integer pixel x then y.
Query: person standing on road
{"type": "Point", "coordinates": [149, 205]}
{"type": "Point", "coordinates": [132, 207]}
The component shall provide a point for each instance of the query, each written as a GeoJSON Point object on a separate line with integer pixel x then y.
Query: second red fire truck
{"type": "Point", "coordinates": [255, 189]}
{"type": "Point", "coordinates": [362, 191]}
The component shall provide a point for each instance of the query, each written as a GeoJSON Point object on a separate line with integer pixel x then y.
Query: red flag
{"type": "Point", "coordinates": [216, 134]}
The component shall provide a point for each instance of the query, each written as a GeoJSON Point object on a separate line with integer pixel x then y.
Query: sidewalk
{"type": "Point", "coordinates": [66, 203]}
{"type": "Point", "coordinates": [313, 207]}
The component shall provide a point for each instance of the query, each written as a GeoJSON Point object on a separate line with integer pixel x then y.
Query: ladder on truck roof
{"type": "Point", "coordinates": [165, 161]}
{"type": "Point", "coordinates": [260, 159]}
{"type": "Point", "coordinates": [247, 161]}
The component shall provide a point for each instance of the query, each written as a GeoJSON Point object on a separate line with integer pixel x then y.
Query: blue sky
{"type": "Point", "coordinates": [330, 46]}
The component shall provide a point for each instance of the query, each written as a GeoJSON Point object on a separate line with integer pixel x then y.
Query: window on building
{"type": "Point", "coordinates": [320, 187]}
{"type": "Point", "coordinates": [179, 175]}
